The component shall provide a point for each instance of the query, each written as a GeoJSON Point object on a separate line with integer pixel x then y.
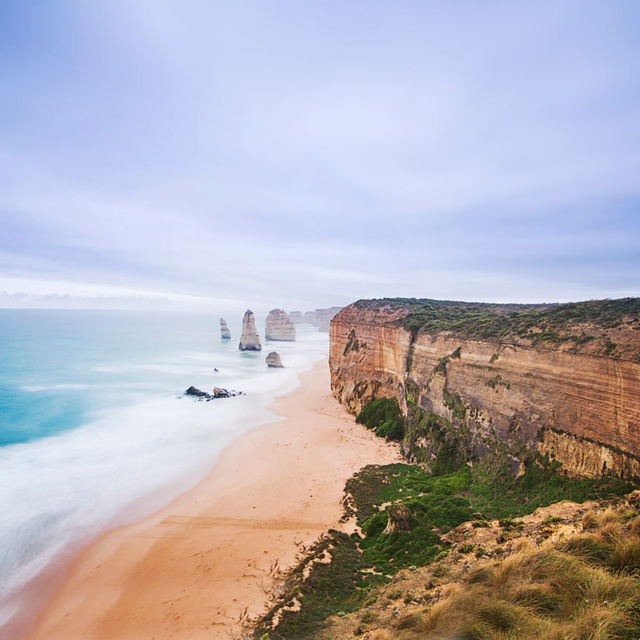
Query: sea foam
{"type": "Point", "coordinates": [145, 445]}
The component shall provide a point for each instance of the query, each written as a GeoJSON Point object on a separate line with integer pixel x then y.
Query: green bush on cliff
{"type": "Point", "coordinates": [383, 415]}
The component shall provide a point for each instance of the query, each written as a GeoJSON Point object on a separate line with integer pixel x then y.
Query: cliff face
{"type": "Point", "coordinates": [577, 400]}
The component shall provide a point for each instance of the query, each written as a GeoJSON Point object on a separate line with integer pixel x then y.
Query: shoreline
{"type": "Point", "coordinates": [198, 565]}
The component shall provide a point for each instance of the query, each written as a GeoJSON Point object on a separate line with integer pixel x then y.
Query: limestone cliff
{"type": "Point", "coordinates": [278, 326]}
{"type": "Point", "coordinates": [560, 379]}
{"type": "Point", "coordinates": [225, 334]}
{"type": "Point", "coordinates": [249, 340]}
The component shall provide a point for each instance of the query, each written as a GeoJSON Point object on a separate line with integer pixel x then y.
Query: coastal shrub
{"type": "Point", "coordinates": [322, 588]}
{"type": "Point", "coordinates": [442, 502]}
{"type": "Point", "coordinates": [543, 323]}
{"type": "Point", "coordinates": [384, 417]}
{"type": "Point", "coordinates": [597, 562]}
{"type": "Point", "coordinates": [497, 381]}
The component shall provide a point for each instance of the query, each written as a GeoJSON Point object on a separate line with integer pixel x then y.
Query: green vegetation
{"type": "Point", "coordinates": [441, 367]}
{"type": "Point", "coordinates": [437, 503]}
{"type": "Point", "coordinates": [454, 402]}
{"type": "Point", "coordinates": [497, 381]}
{"type": "Point", "coordinates": [331, 587]}
{"type": "Point", "coordinates": [445, 501]}
{"type": "Point", "coordinates": [353, 344]}
{"type": "Point", "coordinates": [384, 417]}
{"type": "Point", "coordinates": [545, 323]}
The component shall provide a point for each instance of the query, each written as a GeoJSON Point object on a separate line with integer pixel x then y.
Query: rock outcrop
{"type": "Point", "coordinates": [218, 392]}
{"type": "Point", "coordinates": [321, 317]}
{"type": "Point", "coordinates": [273, 360]}
{"type": "Point", "coordinates": [194, 391]}
{"type": "Point", "coordinates": [249, 340]}
{"type": "Point", "coordinates": [295, 317]}
{"type": "Point", "coordinates": [225, 334]}
{"type": "Point", "coordinates": [278, 326]}
{"type": "Point", "coordinates": [560, 379]}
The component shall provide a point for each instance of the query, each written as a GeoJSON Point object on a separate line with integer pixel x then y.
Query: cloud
{"type": "Point", "coordinates": [320, 153]}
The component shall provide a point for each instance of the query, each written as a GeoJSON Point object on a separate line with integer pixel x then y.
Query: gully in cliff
{"type": "Point", "coordinates": [249, 340]}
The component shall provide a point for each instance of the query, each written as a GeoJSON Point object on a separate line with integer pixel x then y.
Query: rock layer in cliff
{"type": "Point", "coordinates": [560, 379]}
{"type": "Point", "coordinates": [278, 326]}
{"type": "Point", "coordinates": [249, 340]}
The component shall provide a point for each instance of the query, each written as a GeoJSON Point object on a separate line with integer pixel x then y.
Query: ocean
{"type": "Point", "coordinates": [95, 430]}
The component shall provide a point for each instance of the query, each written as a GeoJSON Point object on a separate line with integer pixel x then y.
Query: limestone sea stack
{"type": "Point", "coordinates": [295, 317]}
{"type": "Point", "coordinates": [273, 360]}
{"type": "Point", "coordinates": [249, 340]}
{"type": "Point", "coordinates": [279, 327]}
{"type": "Point", "coordinates": [225, 334]}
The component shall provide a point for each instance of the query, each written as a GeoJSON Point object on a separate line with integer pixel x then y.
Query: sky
{"type": "Point", "coordinates": [188, 155]}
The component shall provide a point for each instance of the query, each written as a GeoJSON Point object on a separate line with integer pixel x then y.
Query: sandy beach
{"type": "Point", "coordinates": [196, 567]}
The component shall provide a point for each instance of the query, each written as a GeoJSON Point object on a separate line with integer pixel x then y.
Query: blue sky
{"type": "Point", "coordinates": [192, 154]}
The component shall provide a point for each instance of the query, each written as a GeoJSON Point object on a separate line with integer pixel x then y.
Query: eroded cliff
{"type": "Point", "coordinates": [476, 379]}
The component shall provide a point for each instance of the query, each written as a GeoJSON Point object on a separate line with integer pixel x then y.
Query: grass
{"type": "Point", "coordinates": [555, 592]}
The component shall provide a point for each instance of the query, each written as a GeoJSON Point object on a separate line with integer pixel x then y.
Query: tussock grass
{"type": "Point", "coordinates": [585, 588]}
{"type": "Point", "coordinates": [590, 520]}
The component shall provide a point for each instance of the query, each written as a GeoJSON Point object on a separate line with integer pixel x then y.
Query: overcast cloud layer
{"type": "Point", "coordinates": [306, 154]}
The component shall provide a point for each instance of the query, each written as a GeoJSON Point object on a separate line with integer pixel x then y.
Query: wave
{"type": "Point", "coordinates": [62, 386]}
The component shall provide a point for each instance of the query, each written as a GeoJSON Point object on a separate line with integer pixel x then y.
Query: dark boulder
{"type": "Point", "coordinates": [193, 391]}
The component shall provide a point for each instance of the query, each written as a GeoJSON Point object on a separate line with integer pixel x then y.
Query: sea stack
{"type": "Point", "coordinates": [225, 334]}
{"type": "Point", "coordinates": [249, 340]}
{"type": "Point", "coordinates": [273, 360]}
{"type": "Point", "coordinates": [279, 327]}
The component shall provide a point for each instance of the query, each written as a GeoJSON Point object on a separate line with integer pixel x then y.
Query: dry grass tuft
{"type": "Point", "coordinates": [626, 554]}
{"type": "Point", "coordinates": [608, 516]}
{"type": "Point", "coordinates": [590, 520]}
{"type": "Point", "coordinates": [610, 531]}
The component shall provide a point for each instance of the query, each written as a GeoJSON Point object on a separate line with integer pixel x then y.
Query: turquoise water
{"type": "Point", "coordinates": [94, 427]}
{"type": "Point", "coordinates": [61, 368]}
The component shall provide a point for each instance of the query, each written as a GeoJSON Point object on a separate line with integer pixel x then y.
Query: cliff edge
{"type": "Point", "coordinates": [474, 379]}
